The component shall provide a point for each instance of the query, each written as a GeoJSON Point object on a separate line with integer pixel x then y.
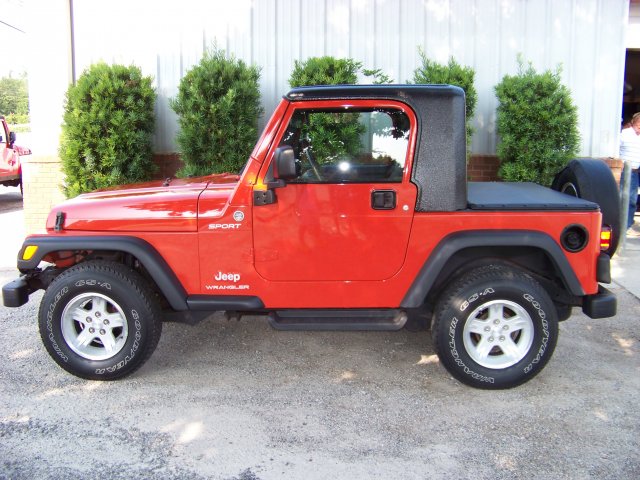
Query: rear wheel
{"type": "Point", "coordinates": [98, 320]}
{"type": "Point", "coordinates": [495, 327]}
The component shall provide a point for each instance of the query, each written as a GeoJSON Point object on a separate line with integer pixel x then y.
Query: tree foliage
{"type": "Point", "coordinates": [324, 71]}
{"type": "Point", "coordinates": [218, 105]}
{"type": "Point", "coordinates": [537, 125]}
{"type": "Point", "coordinates": [432, 72]}
{"type": "Point", "coordinates": [331, 135]}
{"type": "Point", "coordinates": [107, 129]}
{"type": "Point", "coordinates": [14, 99]}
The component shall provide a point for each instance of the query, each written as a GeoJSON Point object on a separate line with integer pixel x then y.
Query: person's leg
{"type": "Point", "coordinates": [633, 197]}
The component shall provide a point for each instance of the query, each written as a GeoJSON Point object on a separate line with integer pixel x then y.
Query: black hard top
{"type": "Point", "coordinates": [440, 164]}
{"type": "Point", "coordinates": [397, 92]}
{"type": "Point", "coordinates": [522, 196]}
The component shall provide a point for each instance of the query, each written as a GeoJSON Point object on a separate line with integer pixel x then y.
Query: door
{"type": "Point", "coordinates": [6, 153]}
{"type": "Point", "coordinates": [347, 215]}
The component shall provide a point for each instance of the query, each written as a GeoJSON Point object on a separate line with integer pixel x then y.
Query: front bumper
{"type": "Point", "coordinates": [600, 305]}
{"type": "Point", "coordinates": [15, 293]}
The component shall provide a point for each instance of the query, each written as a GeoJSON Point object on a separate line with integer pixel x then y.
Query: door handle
{"type": "Point", "coordinates": [383, 199]}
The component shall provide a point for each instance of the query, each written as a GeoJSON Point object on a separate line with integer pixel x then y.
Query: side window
{"type": "Point", "coordinates": [349, 145]}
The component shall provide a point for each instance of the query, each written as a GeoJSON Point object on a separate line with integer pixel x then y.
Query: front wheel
{"type": "Point", "coordinates": [98, 320]}
{"type": "Point", "coordinates": [495, 327]}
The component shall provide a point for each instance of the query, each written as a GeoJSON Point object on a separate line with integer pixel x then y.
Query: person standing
{"type": "Point", "coordinates": [630, 152]}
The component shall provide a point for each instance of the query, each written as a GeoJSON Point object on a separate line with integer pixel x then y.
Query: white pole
{"type": "Point", "coordinates": [625, 183]}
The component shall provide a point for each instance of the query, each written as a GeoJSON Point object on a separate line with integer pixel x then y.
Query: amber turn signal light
{"type": "Point", "coordinates": [605, 238]}
{"type": "Point", "coordinates": [29, 252]}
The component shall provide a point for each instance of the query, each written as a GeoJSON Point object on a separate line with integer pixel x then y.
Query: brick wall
{"type": "Point", "coordinates": [483, 168]}
{"type": "Point", "coordinates": [41, 179]}
{"type": "Point", "coordinates": [167, 163]}
{"type": "Point", "coordinates": [615, 165]}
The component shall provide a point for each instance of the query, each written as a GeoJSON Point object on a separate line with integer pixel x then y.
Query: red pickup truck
{"type": "Point", "coordinates": [352, 213]}
{"type": "Point", "coordinates": [10, 153]}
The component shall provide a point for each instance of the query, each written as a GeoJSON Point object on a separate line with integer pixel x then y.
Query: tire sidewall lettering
{"type": "Point", "coordinates": [93, 283]}
{"type": "Point", "coordinates": [544, 324]}
{"type": "Point", "coordinates": [50, 329]}
{"type": "Point", "coordinates": [465, 304]}
{"type": "Point", "coordinates": [458, 360]}
{"type": "Point", "coordinates": [137, 337]}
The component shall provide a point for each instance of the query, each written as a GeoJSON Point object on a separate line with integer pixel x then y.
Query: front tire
{"type": "Point", "coordinates": [495, 328]}
{"type": "Point", "coordinates": [98, 320]}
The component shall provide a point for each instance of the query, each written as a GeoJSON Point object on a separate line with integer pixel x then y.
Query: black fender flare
{"type": "Point", "coordinates": [456, 242]}
{"type": "Point", "coordinates": [143, 251]}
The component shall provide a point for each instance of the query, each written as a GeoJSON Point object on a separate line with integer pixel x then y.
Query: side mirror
{"type": "Point", "coordinates": [285, 163]}
{"type": "Point", "coordinates": [12, 138]}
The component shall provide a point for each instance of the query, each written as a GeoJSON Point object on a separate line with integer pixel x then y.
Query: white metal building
{"type": "Point", "coordinates": [587, 37]}
{"type": "Point", "coordinates": [165, 38]}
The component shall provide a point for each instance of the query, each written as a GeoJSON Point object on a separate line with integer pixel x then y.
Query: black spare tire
{"type": "Point", "coordinates": [591, 179]}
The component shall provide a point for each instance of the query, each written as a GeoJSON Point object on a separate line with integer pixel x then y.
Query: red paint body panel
{"type": "Point", "coordinates": [330, 232]}
{"type": "Point", "coordinates": [318, 246]}
{"type": "Point", "coordinates": [219, 255]}
{"type": "Point", "coordinates": [150, 207]}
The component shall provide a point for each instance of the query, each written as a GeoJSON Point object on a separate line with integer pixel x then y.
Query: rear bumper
{"type": "Point", "coordinates": [601, 305]}
{"type": "Point", "coordinates": [15, 293]}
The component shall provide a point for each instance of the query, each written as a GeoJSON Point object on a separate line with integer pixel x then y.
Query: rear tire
{"type": "Point", "coordinates": [98, 320]}
{"type": "Point", "coordinates": [592, 180]}
{"type": "Point", "coordinates": [495, 328]}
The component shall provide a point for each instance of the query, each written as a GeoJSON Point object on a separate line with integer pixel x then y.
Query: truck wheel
{"type": "Point", "coordinates": [495, 327]}
{"type": "Point", "coordinates": [98, 320]}
{"type": "Point", "coordinates": [592, 180]}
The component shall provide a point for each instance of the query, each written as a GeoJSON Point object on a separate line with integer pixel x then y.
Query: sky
{"type": "Point", "coordinates": [12, 38]}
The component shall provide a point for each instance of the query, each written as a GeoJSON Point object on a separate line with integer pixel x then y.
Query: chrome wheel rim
{"type": "Point", "coordinates": [570, 189]}
{"type": "Point", "coordinates": [94, 326]}
{"type": "Point", "coordinates": [498, 334]}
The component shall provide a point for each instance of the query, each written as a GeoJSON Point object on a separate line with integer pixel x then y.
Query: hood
{"type": "Point", "coordinates": [157, 206]}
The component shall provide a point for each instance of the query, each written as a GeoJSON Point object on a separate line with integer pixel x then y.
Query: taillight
{"type": "Point", "coordinates": [605, 238]}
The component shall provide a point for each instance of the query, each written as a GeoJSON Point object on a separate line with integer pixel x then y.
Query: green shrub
{"type": "Point", "coordinates": [432, 72]}
{"type": "Point", "coordinates": [325, 71]}
{"type": "Point", "coordinates": [379, 77]}
{"type": "Point", "coordinates": [537, 125]}
{"type": "Point", "coordinates": [330, 136]}
{"type": "Point", "coordinates": [218, 105]}
{"type": "Point", "coordinates": [14, 99]}
{"type": "Point", "coordinates": [17, 118]}
{"type": "Point", "coordinates": [107, 129]}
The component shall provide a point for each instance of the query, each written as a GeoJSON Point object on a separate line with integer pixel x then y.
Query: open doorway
{"type": "Point", "coordinates": [631, 98]}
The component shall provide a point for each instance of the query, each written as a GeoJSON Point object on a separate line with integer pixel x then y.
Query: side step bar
{"type": "Point", "coordinates": [338, 320]}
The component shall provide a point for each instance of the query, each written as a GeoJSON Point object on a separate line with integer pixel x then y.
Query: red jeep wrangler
{"type": "Point", "coordinates": [352, 213]}
{"type": "Point", "coordinates": [10, 166]}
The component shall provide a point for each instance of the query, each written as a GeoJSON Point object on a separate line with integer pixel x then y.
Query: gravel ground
{"type": "Point", "coordinates": [235, 400]}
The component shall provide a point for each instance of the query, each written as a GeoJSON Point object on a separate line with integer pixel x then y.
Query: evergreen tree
{"type": "Point", "coordinates": [107, 129]}
{"type": "Point", "coordinates": [218, 105]}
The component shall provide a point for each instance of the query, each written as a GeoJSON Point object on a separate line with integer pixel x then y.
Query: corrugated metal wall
{"type": "Point", "coordinates": [166, 38]}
